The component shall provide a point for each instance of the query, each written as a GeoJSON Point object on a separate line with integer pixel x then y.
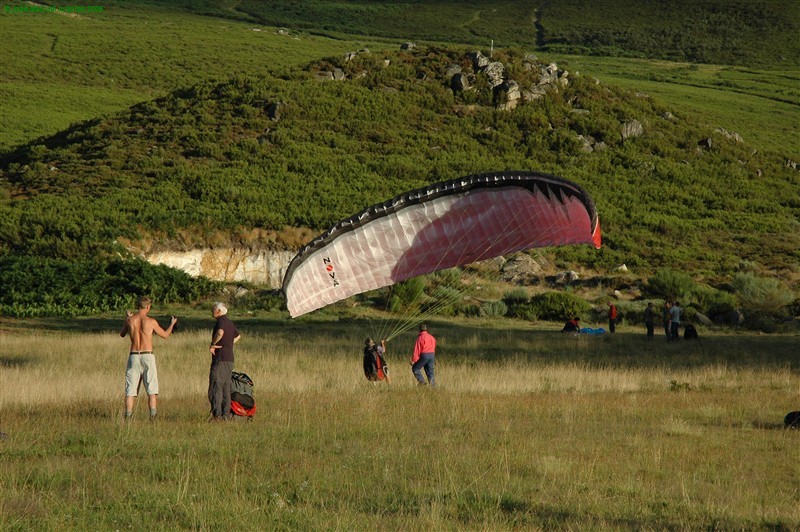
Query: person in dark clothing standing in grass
{"type": "Point", "coordinates": [649, 320]}
{"type": "Point", "coordinates": [667, 317]}
{"type": "Point", "coordinates": [675, 313]}
{"type": "Point", "coordinates": [219, 378]}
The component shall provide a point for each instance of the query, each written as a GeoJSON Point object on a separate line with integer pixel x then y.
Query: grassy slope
{"type": "Point", "coordinates": [741, 32]}
{"type": "Point", "coordinates": [69, 69]}
{"type": "Point", "coordinates": [584, 437]}
{"type": "Point", "coordinates": [763, 106]}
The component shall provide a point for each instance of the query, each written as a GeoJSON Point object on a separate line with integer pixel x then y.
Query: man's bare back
{"type": "Point", "coordinates": [141, 327]}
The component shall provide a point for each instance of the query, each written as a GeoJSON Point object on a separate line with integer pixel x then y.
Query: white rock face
{"type": "Point", "coordinates": [260, 267]}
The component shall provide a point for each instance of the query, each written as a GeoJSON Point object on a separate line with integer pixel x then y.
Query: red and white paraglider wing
{"type": "Point", "coordinates": [441, 226]}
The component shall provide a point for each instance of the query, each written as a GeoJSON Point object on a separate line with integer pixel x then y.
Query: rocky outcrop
{"type": "Point", "coordinates": [471, 72]}
{"type": "Point", "coordinates": [522, 269]}
{"type": "Point", "coordinates": [495, 73]}
{"type": "Point", "coordinates": [231, 265]}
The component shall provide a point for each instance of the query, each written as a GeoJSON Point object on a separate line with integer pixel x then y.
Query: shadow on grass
{"type": "Point", "coordinates": [769, 425]}
{"type": "Point", "coordinates": [16, 362]}
{"type": "Point", "coordinates": [477, 340]}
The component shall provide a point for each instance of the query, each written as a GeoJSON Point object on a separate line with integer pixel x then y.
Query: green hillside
{"type": "Point", "coordinates": [72, 67]}
{"type": "Point", "coordinates": [182, 151]}
{"type": "Point", "coordinates": [734, 32]}
{"type": "Point", "coordinates": [211, 158]}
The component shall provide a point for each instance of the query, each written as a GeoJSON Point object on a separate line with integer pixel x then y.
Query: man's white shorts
{"type": "Point", "coordinates": [141, 367]}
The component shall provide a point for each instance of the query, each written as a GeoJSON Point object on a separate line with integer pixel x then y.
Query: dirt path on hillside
{"type": "Point", "coordinates": [537, 23]}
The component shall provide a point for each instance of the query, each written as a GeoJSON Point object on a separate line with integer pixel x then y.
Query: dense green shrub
{"type": "Point", "coordinates": [444, 301]}
{"type": "Point", "coordinates": [760, 294]}
{"type": "Point", "coordinates": [407, 295]}
{"type": "Point", "coordinates": [53, 287]}
{"type": "Point", "coordinates": [557, 306]}
{"type": "Point", "coordinates": [524, 311]}
{"type": "Point", "coordinates": [259, 299]}
{"type": "Point", "coordinates": [450, 277]}
{"type": "Point", "coordinates": [516, 301]}
{"type": "Point", "coordinates": [671, 285]}
{"type": "Point", "coordinates": [720, 303]}
{"type": "Point", "coordinates": [494, 309]}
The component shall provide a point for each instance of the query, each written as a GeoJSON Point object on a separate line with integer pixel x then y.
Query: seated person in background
{"type": "Point", "coordinates": [572, 325]}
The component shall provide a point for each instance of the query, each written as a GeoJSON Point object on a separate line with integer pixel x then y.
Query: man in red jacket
{"type": "Point", "coordinates": [424, 355]}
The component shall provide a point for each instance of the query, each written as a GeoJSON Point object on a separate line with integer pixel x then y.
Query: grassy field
{"type": "Point", "coordinates": [529, 429]}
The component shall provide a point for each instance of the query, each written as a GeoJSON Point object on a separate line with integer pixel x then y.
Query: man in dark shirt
{"type": "Point", "coordinates": [219, 378]}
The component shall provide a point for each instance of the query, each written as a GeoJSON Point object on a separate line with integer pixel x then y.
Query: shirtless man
{"type": "Point", "coordinates": [142, 361]}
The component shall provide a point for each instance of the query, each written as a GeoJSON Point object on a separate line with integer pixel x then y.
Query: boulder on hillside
{"type": "Point", "coordinates": [274, 111]}
{"type": "Point", "coordinates": [548, 74]}
{"type": "Point", "coordinates": [732, 135]}
{"type": "Point", "coordinates": [460, 82]}
{"type": "Point", "coordinates": [734, 317]}
{"type": "Point", "coordinates": [534, 93]}
{"type": "Point", "coordinates": [521, 268]}
{"type": "Point", "coordinates": [451, 71]}
{"type": "Point", "coordinates": [586, 144]}
{"type": "Point", "coordinates": [631, 129]}
{"type": "Point", "coordinates": [702, 319]}
{"type": "Point", "coordinates": [508, 95]}
{"type": "Point", "coordinates": [566, 277]}
{"type": "Point", "coordinates": [705, 143]}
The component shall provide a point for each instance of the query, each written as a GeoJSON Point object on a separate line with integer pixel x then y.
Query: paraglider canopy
{"type": "Point", "coordinates": [446, 224]}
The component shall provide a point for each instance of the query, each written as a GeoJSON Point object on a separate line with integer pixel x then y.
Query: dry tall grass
{"type": "Point", "coordinates": [529, 429]}
{"type": "Point", "coordinates": [67, 367]}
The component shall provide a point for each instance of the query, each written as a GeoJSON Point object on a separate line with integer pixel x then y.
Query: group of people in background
{"type": "Point", "coordinates": [671, 317]}
{"type": "Point", "coordinates": [142, 368]}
